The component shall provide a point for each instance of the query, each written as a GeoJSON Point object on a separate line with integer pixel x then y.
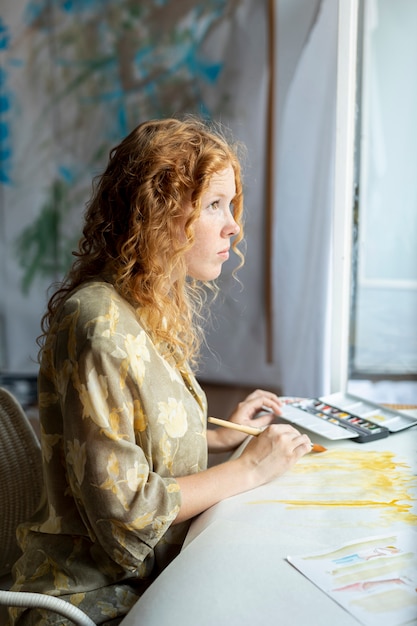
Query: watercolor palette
{"type": "Point", "coordinates": [344, 416]}
{"type": "Point", "coordinates": [384, 416]}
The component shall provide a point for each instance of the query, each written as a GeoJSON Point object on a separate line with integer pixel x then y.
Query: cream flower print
{"type": "Point", "coordinates": [61, 580]}
{"type": "Point", "coordinates": [139, 417]}
{"type": "Point", "coordinates": [173, 416]}
{"type": "Point", "coordinates": [114, 421]}
{"type": "Point", "coordinates": [43, 569]}
{"type": "Point", "coordinates": [173, 488]}
{"type": "Point", "coordinates": [165, 448]}
{"type": "Point", "coordinates": [172, 371]}
{"type": "Point", "coordinates": [93, 397]}
{"type": "Point", "coordinates": [48, 362]}
{"type": "Point", "coordinates": [110, 319]}
{"type": "Point", "coordinates": [160, 522]}
{"type": "Point", "coordinates": [112, 482]}
{"type": "Point", "coordinates": [77, 456]}
{"type": "Point", "coordinates": [137, 354]}
{"type": "Point", "coordinates": [107, 609]}
{"type": "Point", "coordinates": [124, 560]}
{"type": "Point", "coordinates": [114, 431]}
{"type": "Point", "coordinates": [77, 598]}
{"type": "Point", "coordinates": [48, 442]}
{"type": "Point", "coordinates": [136, 475]}
{"type": "Point", "coordinates": [139, 523]}
{"type": "Point", "coordinates": [53, 523]}
{"type": "Point", "coordinates": [47, 399]}
{"type": "Point", "coordinates": [62, 378]}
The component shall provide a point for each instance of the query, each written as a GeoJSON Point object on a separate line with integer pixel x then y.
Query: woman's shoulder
{"type": "Point", "coordinates": [97, 300]}
{"type": "Point", "coordinates": [97, 291]}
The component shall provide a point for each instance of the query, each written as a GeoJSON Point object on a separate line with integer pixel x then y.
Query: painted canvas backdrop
{"type": "Point", "coordinates": [77, 76]}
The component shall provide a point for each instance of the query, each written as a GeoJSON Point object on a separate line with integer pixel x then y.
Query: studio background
{"type": "Point", "coordinates": [78, 75]}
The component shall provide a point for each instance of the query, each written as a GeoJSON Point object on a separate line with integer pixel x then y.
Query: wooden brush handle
{"type": "Point", "coordinates": [248, 430]}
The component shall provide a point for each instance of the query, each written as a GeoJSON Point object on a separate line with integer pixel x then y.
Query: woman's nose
{"type": "Point", "coordinates": [232, 228]}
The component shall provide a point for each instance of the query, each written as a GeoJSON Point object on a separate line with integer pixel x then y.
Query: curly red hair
{"type": "Point", "coordinates": [132, 225]}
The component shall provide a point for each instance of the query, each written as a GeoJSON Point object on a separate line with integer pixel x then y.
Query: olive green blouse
{"type": "Point", "coordinates": [118, 423]}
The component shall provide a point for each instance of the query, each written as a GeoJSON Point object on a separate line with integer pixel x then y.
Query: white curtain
{"type": "Point", "coordinates": [306, 59]}
{"type": "Point", "coordinates": [303, 214]}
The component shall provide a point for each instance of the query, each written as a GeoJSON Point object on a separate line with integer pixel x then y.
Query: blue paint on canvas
{"type": "Point", "coordinates": [98, 67]}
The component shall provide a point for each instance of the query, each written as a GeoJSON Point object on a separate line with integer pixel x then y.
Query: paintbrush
{"type": "Point", "coordinates": [251, 430]}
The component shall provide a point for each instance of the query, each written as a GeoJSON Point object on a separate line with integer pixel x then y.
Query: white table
{"type": "Point", "coordinates": [232, 569]}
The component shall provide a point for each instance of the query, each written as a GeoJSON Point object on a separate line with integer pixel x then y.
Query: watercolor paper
{"type": "Point", "coordinates": [375, 578]}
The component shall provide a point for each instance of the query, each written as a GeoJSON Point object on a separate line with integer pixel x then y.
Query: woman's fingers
{"type": "Point", "coordinates": [275, 450]}
{"type": "Point", "coordinates": [269, 398]}
{"type": "Point", "coordinates": [256, 401]}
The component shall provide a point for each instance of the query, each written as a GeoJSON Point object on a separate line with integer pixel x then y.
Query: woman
{"type": "Point", "coordinates": [123, 418]}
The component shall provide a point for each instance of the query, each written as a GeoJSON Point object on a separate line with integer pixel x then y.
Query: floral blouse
{"type": "Point", "coordinates": [118, 423]}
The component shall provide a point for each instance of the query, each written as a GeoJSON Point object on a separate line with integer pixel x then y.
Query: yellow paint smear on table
{"type": "Point", "coordinates": [350, 478]}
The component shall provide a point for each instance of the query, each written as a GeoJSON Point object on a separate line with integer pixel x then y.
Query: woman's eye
{"type": "Point", "coordinates": [215, 205]}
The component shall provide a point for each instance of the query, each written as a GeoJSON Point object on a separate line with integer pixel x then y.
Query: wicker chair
{"type": "Point", "coordinates": [20, 494]}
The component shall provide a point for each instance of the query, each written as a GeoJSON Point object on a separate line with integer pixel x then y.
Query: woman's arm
{"type": "Point", "coordinates": [266, 457]}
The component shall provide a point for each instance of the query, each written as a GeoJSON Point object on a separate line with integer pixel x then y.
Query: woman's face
{"type": "Point", "coordinates": [213, 229]}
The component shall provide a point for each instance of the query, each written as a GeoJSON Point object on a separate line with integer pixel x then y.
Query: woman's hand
{"type": "Point", "coordinates": [249, 412]}
{"type": "Point", "coordinates": [273, 452]}
{"type": "Point", "coordinates": [266, 456]}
